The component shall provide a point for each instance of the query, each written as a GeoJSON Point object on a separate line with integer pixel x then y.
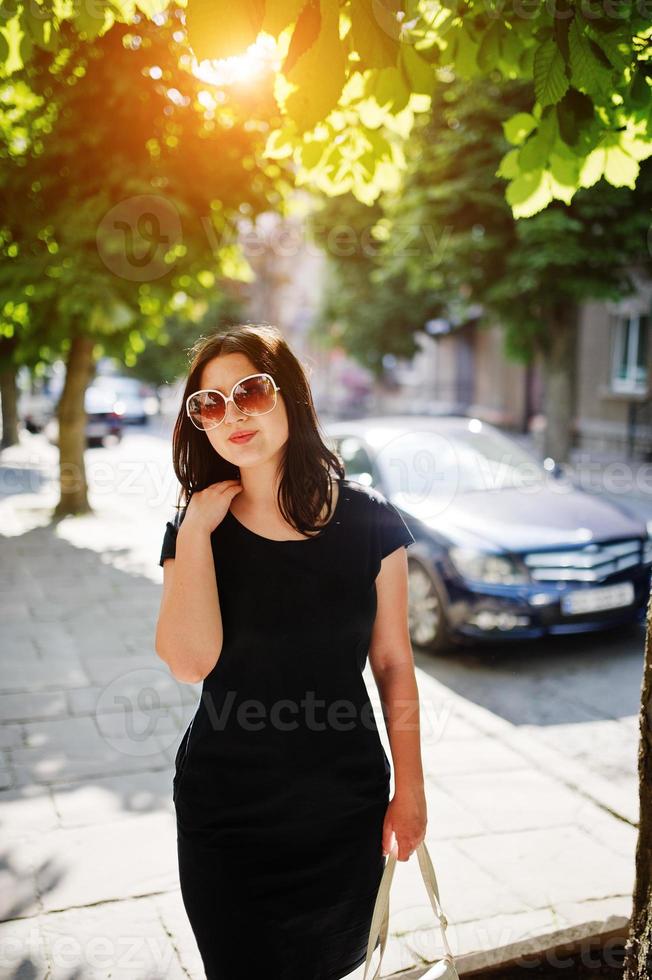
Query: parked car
{"type": "Point", "coordinates": [504, 548]}
{"type": "Point", "coordinates": [35, 410]}
{"type": "Point", "coordinates": [135, 400]}
{"type": "Point", "coordinates": [102, 420]}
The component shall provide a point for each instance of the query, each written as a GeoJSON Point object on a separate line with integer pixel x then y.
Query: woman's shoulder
{"type": "Point", "coordinates": [365, 502]}
{"type": "Point", "coordinates": [373, 510]}
{"type": "Point", "coordinates": [363, 494]}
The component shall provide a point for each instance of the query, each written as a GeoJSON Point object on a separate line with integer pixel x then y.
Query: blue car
{"type": "Point", "coordinates": [505, 549]}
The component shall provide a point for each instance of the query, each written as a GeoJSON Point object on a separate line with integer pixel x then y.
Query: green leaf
{"type": "Point", "coordinates": [533, 154]}
{"type": "Point", "coordinates": [509, 168]}
{"type": "Point", "coordinates": [586, 71]}
{"type": "Point", "coordinates": [511, 49]}
{"type": "Point", "coordinates": [279, 145]}
{"type": "Point", "coordinates": [305, 33]}
{"type": "Point", "coordinates": [518, 126]}
{"type": "Point", "coordinates": [89, 20]}
{"type": "Point", "coordinates": [389, 89]}
{"type": "Point", "coordinates": [279, 14]}
{"type": "Point", "coordinates": [620, 169]}
{"type": "Point", "coordinates": [550, 79]}
{"type": "Point", "coordinates": [219, 29]}
{"type": "Point", "coordinates": [636, 143]}
{"type": "Point", "coordinates": [526, 61]}
{"type": "Point", "coordinates": [565, 170]}
{"type": "Point", "coordinates": [561, 28]}
{"type": "Point", "coordinates": [574, 113]}
{"type": "Point", "coordinates": [35, 24]}
{"type": "Point", "coordinates": [593, 168]}
{"type": "Point", "coordinates": [640, 91]}
{"type": "Point", "coordinates": [317, 91]}
{"type": "Point", "coordinates": [311, 153]}
{"type": "Point", "coordinates": [529, 193]}
{"type": "Point", "coordinates": [489, 51]}
{"type": "Point", "coordinates": [599, 54]}
{"type": "Point", "coordinates": [4, 48]}
{"type": "Point", "coordinates": [418, 74]}
{"type": "Point", "coordinates": [617, 48]}
{"type": "Point", "coordinates": [466, 65]}
{"type": "Point", "coordinates": [375, 34]}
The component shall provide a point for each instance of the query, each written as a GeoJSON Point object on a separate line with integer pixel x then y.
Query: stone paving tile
{"type": "Point", "coordinates": [10, 736]}
{"type": "Point", "coordinates": [84, 700]}
{"type": "Point", "coordinates": [447, 817]}
{"type": "Point", "coordinates": [111, 798]}
{"type": "Point", "coordinates": [23, 954]}
{"type": "Point", "coordinates": [6, 778]}
{"type": "Point", "coordinates": [18, 889]}
{"type": "Point", "coordinates": [465, 755]}
{"type": "Point", "coordinates": [126, 940]}
{"type": "Point", "coordinates": [14, 647]}
{"type": "Point", "coordinates": [545, 869]}
{"type": "Point", "coordinates": [74, 747]}
{"type": "Point", "coordinates": [616, 835]}
{"type": "Point", "coordinates": [170, 908]}
{"type": "Point", "coordinates": [440, 719]}
{"type": "Point", "coordinates": [26, 675]}
{"type": "Point", "coordinates": [103, 670]}
{"type": "Point", "coordinates": [522, 799]}
{"type": "Point", "coordinates": [26, 812]}
{"type": "Point", "coordinates": [29, 705]}
{"type": "Point", "coordinates": [81, 866]}
{"type": "Point", "coordinates": [465, 888]}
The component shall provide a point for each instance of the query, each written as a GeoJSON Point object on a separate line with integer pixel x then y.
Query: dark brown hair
{"type": "Point", "coordinates": [305, 485]}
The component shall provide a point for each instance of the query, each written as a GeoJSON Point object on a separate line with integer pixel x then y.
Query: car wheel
{"type": "Point", "coordinates": [112, 439]}
{"type": "Point", "coordinates": [426, 618]}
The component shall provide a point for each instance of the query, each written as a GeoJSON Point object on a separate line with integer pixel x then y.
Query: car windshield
{"type": "Point", "coordinates": [123, 385]}
{"type": "Point", "coordinates": [427, 463]}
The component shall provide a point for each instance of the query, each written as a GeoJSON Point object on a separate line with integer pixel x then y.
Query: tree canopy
{"type": "Point", "coordinates": [447, 244]}
{"type": "Point", "coordinates": [121, 190]}
{"type": "Point", "coordinates": [350, 77]}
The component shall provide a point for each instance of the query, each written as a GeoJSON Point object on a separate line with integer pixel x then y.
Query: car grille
{"type": "Point", "coordinates": [590, 563]}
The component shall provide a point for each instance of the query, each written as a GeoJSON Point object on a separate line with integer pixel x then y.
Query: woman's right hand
{"type": "Point", "coordinates": [207, 508]}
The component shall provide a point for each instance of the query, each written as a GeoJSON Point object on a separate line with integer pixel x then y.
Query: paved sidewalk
{"type": "Point", "coordinates": [529, 850]}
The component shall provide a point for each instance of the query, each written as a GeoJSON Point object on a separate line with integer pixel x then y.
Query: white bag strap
{"type": "Point", "coordinates": [380, 918]}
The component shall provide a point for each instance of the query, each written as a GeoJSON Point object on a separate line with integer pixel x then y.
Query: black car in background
{"type": "Point", "coordinates": [103, 419]}
{"type": "Point", "coordinates": [504, 548]}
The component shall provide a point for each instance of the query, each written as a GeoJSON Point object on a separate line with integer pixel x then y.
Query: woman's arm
{"type": "Point", "coordinates": [392, 664]}
{"type": "Point", "coordinates": [189, 627]}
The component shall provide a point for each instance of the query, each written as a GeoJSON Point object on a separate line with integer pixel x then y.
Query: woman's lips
{"type": "Point", "coordinates": [244, 438]}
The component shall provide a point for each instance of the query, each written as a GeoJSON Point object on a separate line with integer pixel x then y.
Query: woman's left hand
{"type": "Point", "coordinates": [406, 817]}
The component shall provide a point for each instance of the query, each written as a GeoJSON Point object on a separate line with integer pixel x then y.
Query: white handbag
{"type": "Point", "coordinates": [443, 969]}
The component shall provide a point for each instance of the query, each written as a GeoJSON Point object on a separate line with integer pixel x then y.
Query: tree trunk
{"type": "Point", "coordinates": [9, 401]}
{"type": "Point", "coordinates": [560, 369]}
{"type": "Point", "coordinates": [71, 414]}
{"type": "Point", "coordinates": [638, 948]}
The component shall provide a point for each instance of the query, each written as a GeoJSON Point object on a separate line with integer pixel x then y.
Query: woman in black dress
{"type": "Point", "coordinates": [280, 578]}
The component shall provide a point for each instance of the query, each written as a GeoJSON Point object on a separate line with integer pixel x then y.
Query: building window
{"type": "Point", "coordinates": [629, 370]}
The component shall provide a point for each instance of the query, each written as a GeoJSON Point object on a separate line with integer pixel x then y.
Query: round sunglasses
{"type": "Point", "coordinates": [253, 395]}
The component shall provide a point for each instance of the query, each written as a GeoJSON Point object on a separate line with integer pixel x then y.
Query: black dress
{"type": "Point", "coordinates": [281, 781]}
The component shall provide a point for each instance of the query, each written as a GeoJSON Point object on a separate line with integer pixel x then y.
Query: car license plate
{"type": "Point", "coordinates": [604, 597]}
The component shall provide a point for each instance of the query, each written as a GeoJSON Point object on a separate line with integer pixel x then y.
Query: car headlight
{"type": "Point", "coordinates": [647, 544]}
{"type": "Point", "coordinates": [482, 566]}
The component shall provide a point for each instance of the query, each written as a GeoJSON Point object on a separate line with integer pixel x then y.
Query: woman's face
{"type": "Point", "coordinates": [271, 429]}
